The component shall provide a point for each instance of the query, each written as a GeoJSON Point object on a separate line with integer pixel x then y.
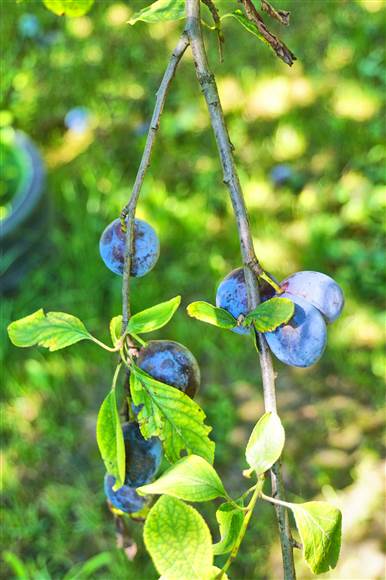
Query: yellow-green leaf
{"type": "Point", "coordinates": [153, 318]}
{"type": "Point", "coordinates": [266, 443]}
{"type": "Point", "coordinates": [271, 314]}
{"type": "Point", "coordinates": [171, 415]}
{"type": "Point", "coordinates": [110, 439]}
{"type": "Point", "coordinates": [191, 479]}
{"type": "Point", "coordinates": [54, 330]}
{"type": "Point", "coordinates": [211, 314]}
{"type": "Point", "coordinates": [320, 528]}
{"type": "Point", "coordinates": [178, 540]}
{"type": "Point", "coordinates": [69, 7]}
{"type": "Point", "coordinates": [230, 520]}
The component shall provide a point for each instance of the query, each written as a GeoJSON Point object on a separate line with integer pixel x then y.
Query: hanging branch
{"type": "Point", "coordinates": [276, 44]}
{"type": "Point", "coordinates": [282, 16]}
{"type": "Point", "coordinates": [251, 265]}
{"type": "Point", "coordinates": [128, 212]}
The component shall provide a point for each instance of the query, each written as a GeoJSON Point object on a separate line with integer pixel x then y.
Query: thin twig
{"type": "Point", "coordinates": [231, 179]}
{"type": "Point", "coordinates": [217, 22]}
{"type": "Point", "coordinates": [282, 16]}
{"type": "Point", "coordinates": [275, 43]}
{"type": "Point", "coordinates": [128, 212]}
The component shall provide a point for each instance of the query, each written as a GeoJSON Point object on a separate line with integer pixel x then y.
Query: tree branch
{"type": "Point", "coordinates": [128, 212]}
{"type": "Point", "coordinates": [282, 16]}
{"type": "Point", "coordinates": [276, 44]}
{"type": "Point", "coordinates": [209, 88]}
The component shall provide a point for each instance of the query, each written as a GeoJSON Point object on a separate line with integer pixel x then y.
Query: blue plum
{"type": "Point", "coordinates": [143, 456]}
{"type": "Point", "coordinates": [232, 295]}
{"type": "Point", "coordinates": [300, 342]}
{"type": "Point", "coordinates": [280, 174]}
{"type": "Point", "coordinates": [77, 119]}
{"type": "Point", "coordinates": [125, 498]}
{"type": "Point", "coordinates": [29, 26]}
{"type": "Point", "coordinates": [319, 290]}
{"type": "Point", "coordinates": [171, 363]}
{"type": "Point", "coordinates": [145, 246]}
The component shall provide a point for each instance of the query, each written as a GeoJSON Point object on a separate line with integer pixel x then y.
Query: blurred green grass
{"type": "Point", "coordinates": [325, 119]}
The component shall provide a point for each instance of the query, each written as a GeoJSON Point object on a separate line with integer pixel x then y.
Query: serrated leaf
{"type": "Point", "coordinates": [247, 24]}
{"type": "Point", "coordinates": [172, 416]}
{"type": "Point", "coordinates": [116, 329]}
{"type": "Point", "coordinates": [54, 330]}
{"type": "Point", "coordinates": [178, 540]}
{"type": "Point", "coordinates": [160, 11]}
{"type": "Point", "coordinates": [271, 314]}
{"type": "Point", "coordinates": [110, 439]}
{"type": "Point", "coordinates": [320, 528]}
{"type": "Point", "coordinates": [71, 8]}
{"type": "Point", "coordinates": [211, 314]}
{"type": "Point", "coordinates": [266, 443]}
{"type": "Point", "coordinates": [230, 520]}
{"type": "Point", "coordinates": [191, 479]}
{"type": "Point", "coordinates": [153, 318]}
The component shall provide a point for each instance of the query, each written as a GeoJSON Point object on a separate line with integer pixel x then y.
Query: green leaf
{"type": "Point", "coordinates": [265, 443]}
{"type": "Point", "coordinates": [320, 528]}
{"type": "Point", "coordinates": [172, 416]}
{"type": "Point", "coordinates": [271, 314]}
{"type": "Point", "coordinates": [211, 314]}
{"type": "Point", "coordinates": [191, 479]}
{"type": "Point", "coordinates": [116, 329]}
{"type": "Point", "coordinates": [69, 7]}
{"type": "Point", "coordinates": [247, 24]}
{"type": "Point", "coordinates": [160, 11]}
{"type": "Point", "coordinates": [178, 540]}
{"type": "Point", "coordinates": [230, 520]}
{"type": "Point", "coordinates": [110, 439]}
{"type": "Point", "coordinates": [54, 330]}
{"type": "Point", "coordinates": [153, 318]}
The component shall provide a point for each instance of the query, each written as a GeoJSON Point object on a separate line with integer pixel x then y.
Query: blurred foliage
{"type": "Point", "coordinates": [322, 119]}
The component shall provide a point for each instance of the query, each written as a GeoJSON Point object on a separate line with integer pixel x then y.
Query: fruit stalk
{"type": "Point", "coordinates": [128, 212]}
{"type": "Point", "coordinates": [208, 86]}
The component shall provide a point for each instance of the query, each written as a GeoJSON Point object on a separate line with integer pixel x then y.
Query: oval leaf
{"type": "Point", "coordinates": [69, 7]}
{"type": "Point", "coordinates": [116, 329]}
{"type": "Point", "coordinates": [172, 416]}
{"type": "Point", "coordinates": [160, 11]}
{"type": "Point", "coordinates": [178, 540]}
{"type": "Point", "coordinates": [55, 330]}
{"type": "Point", "coordinates": [211, 314]}
{"type": "Point", "coordinates": [320, 528]}
{"type": "Point", "coordinates": [191, 479]}
{"type": "Point", "coordinates": [265, 443]}
{"type": "Point", "coordinates": [230, 520]}
{"type": "Point", "coordinates": [271, 314]}
{"type": "Point", "coordinates": [153, 318]}
{"type": "Point", "coordinates": [110, 439]}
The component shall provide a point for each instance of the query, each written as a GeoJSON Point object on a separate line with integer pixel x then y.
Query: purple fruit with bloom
{"type": "Point", "coordinates": [125, 498]}
{"type": "Point", "coordinates": [145, 248]}
{"type": "Point", "coordinates": [319, 290]}
{"type": "Point", "coordinates": [143, 456]}
{"type": "Point", "coordinates": [232, 295]}
{"type": "Point", "coordinates": [171, 363]}
{"type": "Point", "coordinates": [300, 342]}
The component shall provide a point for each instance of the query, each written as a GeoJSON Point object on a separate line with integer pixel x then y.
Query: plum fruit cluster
{"type": "Point", "coordinates": [145, 248]}
{"type": "Point", "coordinates": [165, 360]}
{"type": "Point", "coordinates": [317, 298]}
{"type": "Point", "coordinates": [143, 458]}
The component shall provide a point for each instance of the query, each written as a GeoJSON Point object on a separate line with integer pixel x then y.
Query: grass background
{"type": "Point", "coordinates": [324, 119]}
